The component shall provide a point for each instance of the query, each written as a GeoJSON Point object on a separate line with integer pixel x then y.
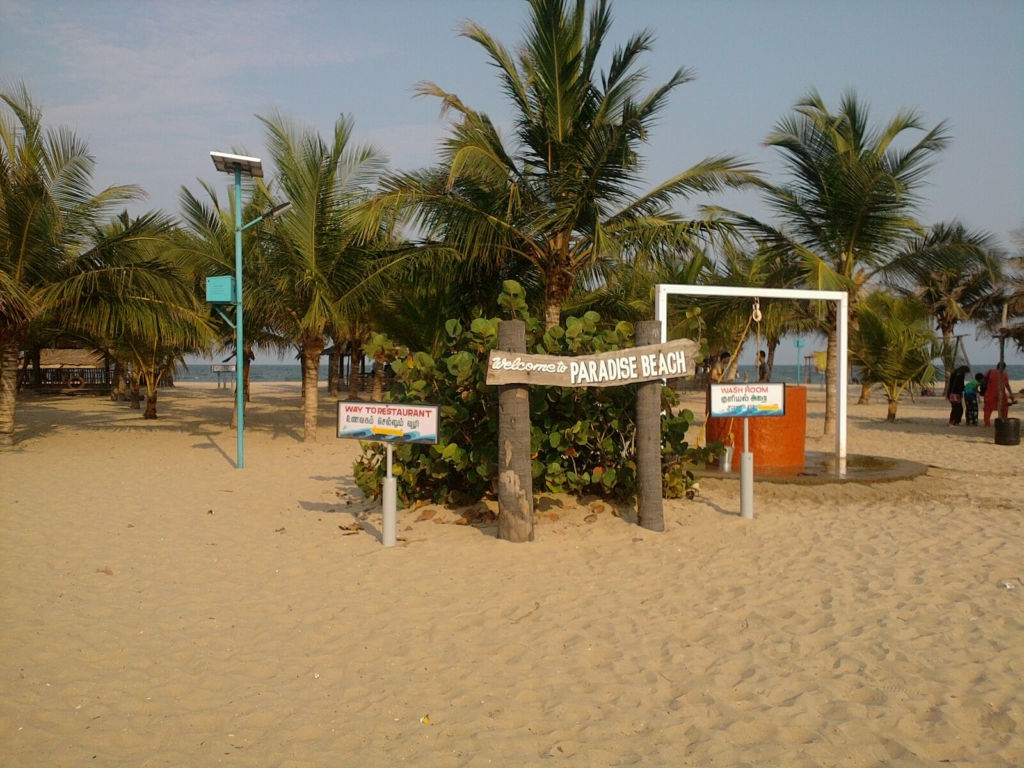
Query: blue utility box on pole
{"type": "Point", "coordinates": [220, 290]}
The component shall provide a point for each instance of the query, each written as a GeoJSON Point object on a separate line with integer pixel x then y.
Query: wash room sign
{"type": "Point", "coordinates": [748, 400]}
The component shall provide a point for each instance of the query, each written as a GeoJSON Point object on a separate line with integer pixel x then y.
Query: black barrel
{"type": "Point", "coordinates": [1007, 431]}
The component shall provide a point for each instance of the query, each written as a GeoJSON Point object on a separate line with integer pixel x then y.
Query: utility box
{"type": "Point", "coordinates": [220, 290]}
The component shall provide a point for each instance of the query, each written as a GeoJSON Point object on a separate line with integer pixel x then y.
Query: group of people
{"type": "Point", "coordinates": [992, 389]}
{"type": "Point", "coordinates": [720, 369]}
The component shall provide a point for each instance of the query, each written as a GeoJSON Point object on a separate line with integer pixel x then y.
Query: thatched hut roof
{"type": "Point", "coordinates": [70, 358]}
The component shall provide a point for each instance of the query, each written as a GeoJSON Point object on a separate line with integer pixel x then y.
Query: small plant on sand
{"type": "Point", "coordinates": [894, 345]}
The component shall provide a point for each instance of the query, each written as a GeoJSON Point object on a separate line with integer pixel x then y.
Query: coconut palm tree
{"type": "Point", "coordinates": [894, 345]}
{"type": "Point", "coordinates": [562, 194]}
{"type": "Point", "coordinates": [322, 264]}
{"type": "Point", "coordinates": [961, 287]}
{"type": "Point", "coordinates": [848, 204]}
{"type": "Point", "coordinates": [128, 288]}
{"type": "Point", "coordinates": [47, 210]}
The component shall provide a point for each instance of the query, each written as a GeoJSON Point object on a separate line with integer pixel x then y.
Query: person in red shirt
{"type": "Point", "coordinates": [997, 381]}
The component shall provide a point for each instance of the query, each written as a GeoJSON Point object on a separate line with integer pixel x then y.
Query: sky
{"type": "Point", "coordinates": [153, 87]}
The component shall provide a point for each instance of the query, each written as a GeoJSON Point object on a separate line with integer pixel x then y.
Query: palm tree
{"type": "Point", "coordinates": [128, 288]}
{"type": "Point", "coordinates": [47, 208]}
{"type": "Point", "coordinates": [962, 288]}
{"type": "Point", "coordinates": [848, 204]}
{"type": "Point", "coordinates": [1005, 315]}
{"type": "Point", "coordinates": [322, 264]}
{"type": "Point", "coordinates": [561, 197]}
{"type": "Point", "coordinates": [893, 344]}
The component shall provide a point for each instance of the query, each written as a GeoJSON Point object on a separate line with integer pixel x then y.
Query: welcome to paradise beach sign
{"type": "Point", "coordinates": [608, 369]}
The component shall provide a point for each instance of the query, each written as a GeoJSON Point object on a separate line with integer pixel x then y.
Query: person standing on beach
{"type": "Point", "coordinates": [955, 395]}
{"type": "Point", "coordinates": [720, 368]}
{"type": "Point", "coordinates": [996, 386]}
{"type": "Point", "coordinates": [971, 389]}
{"type": "Point", "coordinates": [763, 373]}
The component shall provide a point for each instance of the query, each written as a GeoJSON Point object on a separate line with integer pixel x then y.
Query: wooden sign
{"type": "Point", "coordinates": [608, 369]}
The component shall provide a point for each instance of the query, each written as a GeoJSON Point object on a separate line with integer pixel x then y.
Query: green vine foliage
{"type": "Point", "coordinates": [581, 438]}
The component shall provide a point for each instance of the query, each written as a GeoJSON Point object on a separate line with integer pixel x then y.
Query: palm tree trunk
{"type": "Point", "coordinates": [333, 366]}
{"type": "Point", "coordinates": [891, 413]}
{"type": "Point", "coordinates": [831, 377]}
{"type": "Point", "coordinates": [356, 348]}
{"type": "Point", "coordinates": [311, 350]}
{"type": "Point", "coordinates": [135, 396]}
{"type": "Point", "coordinates": [151, 394]}
{"type": "Point", "coordinates": [117, 393]}
{"type": "Point", "coordinates": [773, 344]}
{"type": "Point", "coordinates": [865, 393]}
{"type": "Point", "coordinates": [948, 363]}
{"type": "Point", "coordinates": [8, 389]}
{"type": "Point", "coordinates": [245, 377]}
{"type": "Point", "coordinates": [378, 379]}
{"type": "Point", "coordinates": [21, 375]}
{"type": "Point", "coordinates": [152, 388]}
{"type": "Point", "coordinates": [37, 371]}
{"type": "Point", "coordinates": [557, 286]}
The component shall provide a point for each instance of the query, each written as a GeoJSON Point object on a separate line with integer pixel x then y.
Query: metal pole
{"type": "Point", "coordinates": [843, 328]}
{"type": "Point", "coordinates": [746, 476]}
{"type": "Point", "coordinates": [239, 353]}
{"type": "Point", "coordinates": [389, 525]}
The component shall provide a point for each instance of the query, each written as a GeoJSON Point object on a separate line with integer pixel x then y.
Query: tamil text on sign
{"type": "Point", "coordinates": [388, 422]}
{"type": "Point", "coordinates": [748, 400]}
{"type": "Point", "coordinates": [670, 360]}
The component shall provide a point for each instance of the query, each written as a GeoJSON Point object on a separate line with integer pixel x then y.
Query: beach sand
{"type": "Point", "coordinates": [161, 608]}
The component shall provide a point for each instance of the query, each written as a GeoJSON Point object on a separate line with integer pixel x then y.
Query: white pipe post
{"type": "Point", "coordinates": [661, 310]}
{"type": "Point", "coordinates": [746, 476]}
{"type": "Point", "coordinates": [389, 527]}
{"type": "Point", "coordinates": [843, 328]}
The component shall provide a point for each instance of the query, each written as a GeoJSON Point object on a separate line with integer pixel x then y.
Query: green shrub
{"type": "Point", "coordinates": [581, 438]}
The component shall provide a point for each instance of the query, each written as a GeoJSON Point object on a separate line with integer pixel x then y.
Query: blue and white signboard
{"type": "Point", "coordinates": [389, 422]}
{"type": "Point", "coordinates": [743, 400]}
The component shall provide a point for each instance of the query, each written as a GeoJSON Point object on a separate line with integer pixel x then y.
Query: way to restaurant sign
{"type": "Point", "coordinates": [388, 422]}
{"type": "Point", "coordinates": [608, 369]}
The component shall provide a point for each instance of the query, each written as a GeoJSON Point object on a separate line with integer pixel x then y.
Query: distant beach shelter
{"type": "Point", "coordinates": [67, 369]}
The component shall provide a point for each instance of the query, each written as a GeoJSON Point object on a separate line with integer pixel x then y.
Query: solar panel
{"type": "Point", "coordinates": [225, 163]}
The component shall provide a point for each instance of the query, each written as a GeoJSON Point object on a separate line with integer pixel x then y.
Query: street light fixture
{"type": "Point", "coordinates": [240, 165]}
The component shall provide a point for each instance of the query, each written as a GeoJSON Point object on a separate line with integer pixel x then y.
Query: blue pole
{"type": "Point", "coordinates": [239, 353]}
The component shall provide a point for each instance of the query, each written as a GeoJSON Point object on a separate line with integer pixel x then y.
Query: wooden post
{"type": "Point", "coordinates": [515, 479]}
{"type": "Point", "coordinates": [650, 506]}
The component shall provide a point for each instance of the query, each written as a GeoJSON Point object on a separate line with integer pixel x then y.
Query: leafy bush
{"type": "Point", "coordinates": [581, 438]}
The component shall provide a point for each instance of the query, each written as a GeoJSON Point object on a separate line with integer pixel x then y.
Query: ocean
{"type": "Point", "coordinates": [292, 372]}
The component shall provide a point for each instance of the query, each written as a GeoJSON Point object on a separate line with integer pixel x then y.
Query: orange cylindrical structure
{"type": "Point", "coordinates": [775, 441]}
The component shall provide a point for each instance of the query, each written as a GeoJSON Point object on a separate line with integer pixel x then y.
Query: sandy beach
{"type": "Point", "coordinates": [161, 608]}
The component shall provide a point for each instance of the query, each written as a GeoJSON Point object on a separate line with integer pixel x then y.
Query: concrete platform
{"type": "Point", "coordinates": [820, 469]}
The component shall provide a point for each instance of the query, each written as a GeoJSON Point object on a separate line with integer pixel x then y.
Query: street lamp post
{"type": "Point", "coordinates": [240, 165]}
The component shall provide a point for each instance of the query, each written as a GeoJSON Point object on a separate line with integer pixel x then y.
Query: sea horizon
{"type": "Point", "coordinates": [284, 372]}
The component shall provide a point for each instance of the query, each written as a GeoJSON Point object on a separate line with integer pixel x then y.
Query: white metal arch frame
{"type": "Point", "coordinates": [663, 290]}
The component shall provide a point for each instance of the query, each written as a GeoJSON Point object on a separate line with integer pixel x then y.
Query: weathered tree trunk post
{"type": "Point", "coordinates": [650, 506]}
{"type": "Point", "coordinates": [515, 479]}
